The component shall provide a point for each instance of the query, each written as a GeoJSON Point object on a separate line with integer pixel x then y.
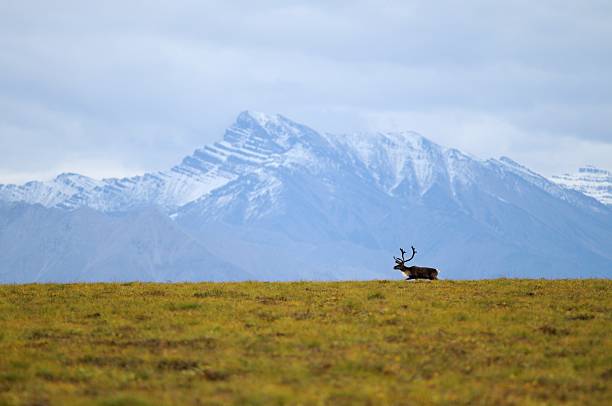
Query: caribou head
{"type": "Point", "coordinates": [414, 272]}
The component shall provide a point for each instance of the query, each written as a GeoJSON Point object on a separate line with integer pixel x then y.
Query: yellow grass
{"type": "Point", "coordinates": [377, 342]}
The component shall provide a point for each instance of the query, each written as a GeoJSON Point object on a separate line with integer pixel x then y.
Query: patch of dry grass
{"type": "Point", "coordinates": [377, 342]}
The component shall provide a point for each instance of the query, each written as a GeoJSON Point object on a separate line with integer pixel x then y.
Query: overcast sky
{"type": "Point", "coordinates": [112, 88]}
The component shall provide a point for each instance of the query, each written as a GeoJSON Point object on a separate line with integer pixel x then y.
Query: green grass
{"type": "Point", "coordinates": [379, 342]}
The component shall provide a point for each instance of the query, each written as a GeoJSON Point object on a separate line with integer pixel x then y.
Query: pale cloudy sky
{"type": "Point", "coordinates": [111, 88]}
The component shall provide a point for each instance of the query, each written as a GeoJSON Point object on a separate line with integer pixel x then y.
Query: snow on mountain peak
{"type": "Point", "coordinates": [590, 169]}
{"type": "Point", "coordinates": [399, 163]}
{"type": "Point", "coordinates": [262, 119]}
{"type": "Point", "coordinates": [590, 180]}
{"type": "Point", "coordinates": [272, 133]}
{"type": "Point", "coordinates": [399, 158]}
{"type": "Point", "coordinates": [67, 175]}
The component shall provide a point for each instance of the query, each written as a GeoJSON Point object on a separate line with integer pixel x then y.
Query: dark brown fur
{"type": "Point", "coordinates": [417, 272]}
{"type": "Point", "coordinates": [414, 272]}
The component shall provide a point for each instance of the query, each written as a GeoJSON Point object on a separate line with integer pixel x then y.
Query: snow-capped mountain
{"type": "Point", "coordinates": [54, 193]}
{"type": "Point", "coordinates": [591, 181]}
{"type": "Point", "coordinates": [167, 189]}
{"type": "Point", "coordinates": [279, 200]}
{"type": "Point", "coordinates": [206, 169]}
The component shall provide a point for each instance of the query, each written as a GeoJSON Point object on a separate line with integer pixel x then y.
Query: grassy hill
{"type": "Point", "coordinates": [377, 342]}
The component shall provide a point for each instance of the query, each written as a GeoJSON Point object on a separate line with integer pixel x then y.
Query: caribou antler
{"type": "Point", "coordinates": [403, 261]}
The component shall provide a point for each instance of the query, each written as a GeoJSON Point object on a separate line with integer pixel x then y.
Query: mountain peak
{"type": "Point", "coordinates": [267, 132]}
{"type": "Point", "coordinates": [590, 180]}
{"type": "Point", "coordinates": [259, 118]}
{"type": "Point", "coordinates": [591, 169]}
{"type": "Point", "coordinates": [68, 175]}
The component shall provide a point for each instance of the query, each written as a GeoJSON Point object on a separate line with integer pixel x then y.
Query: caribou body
{"type": "Point", "coordinates": [414, 272]}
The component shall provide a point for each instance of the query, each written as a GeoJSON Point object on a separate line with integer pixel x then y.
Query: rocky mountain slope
{"type": "Point", "coordinates": [591, 181]}
{"type": "Point", "coordinates": [51, 245]}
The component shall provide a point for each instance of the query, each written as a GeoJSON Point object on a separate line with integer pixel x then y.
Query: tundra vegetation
{"type": "Point", "coordinates": [376, 342]}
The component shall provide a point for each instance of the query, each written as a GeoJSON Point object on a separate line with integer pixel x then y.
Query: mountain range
{"type": "Point", "coordinates": [276, 200]}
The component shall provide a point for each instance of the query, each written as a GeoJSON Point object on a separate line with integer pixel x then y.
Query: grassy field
{"type": "Point", "coordinates": [377, 342]}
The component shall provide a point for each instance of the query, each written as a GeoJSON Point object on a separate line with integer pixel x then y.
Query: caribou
{"type": "Point", "coordinates": [414, 272]}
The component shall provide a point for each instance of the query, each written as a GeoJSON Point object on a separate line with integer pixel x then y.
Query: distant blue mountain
{"type": "Point", "coordinates": [276, 200]}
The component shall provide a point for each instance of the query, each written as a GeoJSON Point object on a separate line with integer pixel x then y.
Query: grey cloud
{"type": "Point", "coordinates": [139, 84]}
